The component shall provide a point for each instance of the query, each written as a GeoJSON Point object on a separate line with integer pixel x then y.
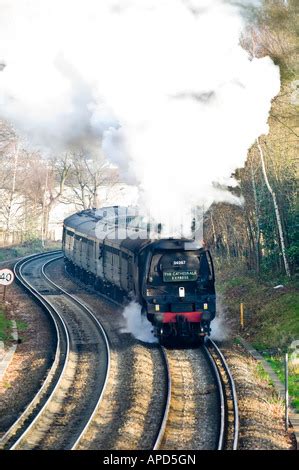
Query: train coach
{"type": "Point", "coordinates": [172, 279]}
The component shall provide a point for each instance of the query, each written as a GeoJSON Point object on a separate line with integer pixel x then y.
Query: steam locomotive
{"type": "Point", "coordinates": [172, 279]}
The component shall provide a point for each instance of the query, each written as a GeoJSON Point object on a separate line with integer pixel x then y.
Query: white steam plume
{"type": "Point", "coordinates": [138, 325]}
{"type": "Point", "coordinates": [220, 327]}
{"type": "Point", "coordinates": [162, 85]}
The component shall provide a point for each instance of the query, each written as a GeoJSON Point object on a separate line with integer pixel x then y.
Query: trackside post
{"type": "Point", "coordinates": [242, 315]}
{"type": "Point", "coordinates": [6, 278]}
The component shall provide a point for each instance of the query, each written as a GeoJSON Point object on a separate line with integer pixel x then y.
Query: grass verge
{"type": "Point", "coordinates": [5, 327]}
{"type": "Point", "coordinates": [270, 316]}
{"type": "Point", "coordinates": [27, 248]}
{"type": "Point", "coordinates": [277, 364]}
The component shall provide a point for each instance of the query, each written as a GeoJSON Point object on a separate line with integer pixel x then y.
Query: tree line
{"type": "Point", "coordinates": [261, 233]}
{"type": "Point", "coordinates": [31, 185]}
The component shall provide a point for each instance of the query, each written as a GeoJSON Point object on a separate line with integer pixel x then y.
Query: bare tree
{"type": "Point", "coordinates": [87, 176]}
{"type": "Point", "coordinates": [277, 214]}
{"type": "Point", "coordinates": [9, 157]}
{"type": "Point", "coordinates": [258, 231]}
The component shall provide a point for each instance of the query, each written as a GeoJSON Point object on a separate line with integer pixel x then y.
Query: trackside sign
{"type": "Point", "coordinates": [6, 277]}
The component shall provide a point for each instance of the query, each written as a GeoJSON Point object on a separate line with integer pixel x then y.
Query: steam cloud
{"type": "Point", "coordinates": [163, 87]}
{"type": "Point", "coordinates": [138, 325]}
{"type": "Point", "coordinates": [220, 328]}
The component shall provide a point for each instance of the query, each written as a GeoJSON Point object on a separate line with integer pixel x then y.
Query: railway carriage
{"type": "Point", "coordinates": [172, 279]}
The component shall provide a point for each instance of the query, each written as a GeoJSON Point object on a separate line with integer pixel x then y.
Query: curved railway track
{"type": "Point", "coordinates": [228, 403]}
{"type": "Point", "coordinates": [158, 423]}
{"type": "Point", "coordinates": [162, 420]}
{"type": "Point", "coordinates": [163, 424]}
{"type": "Point", "coordinates": [66, 406]}
{"type": "Point", "coordinates": [203, 410]}
{"type": "Point", "coordinates": [32, 410]}
{"type": "Point", "coordinates": [61, 411]}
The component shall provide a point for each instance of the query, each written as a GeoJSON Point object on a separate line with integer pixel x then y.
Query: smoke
{"type": "Point", "coordinates": [138, 325]}
{"type": "Point", "coordinates": [221, 326]}
{"type": "Point", "coordinates": [163, 87]}
{"type": "Point", "coordinates": [219, 329]}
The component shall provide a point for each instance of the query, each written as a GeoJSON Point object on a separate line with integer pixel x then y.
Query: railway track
{"type": "Point", "coordinates": [228, 403]}
{"type": "Point", "coordinates": [61, 412]}
{"type": "Point", "coordinates": [159, 393]}
{"type": "Point", "coordinates": [67, 406]}
{"type": "Point", "coordinates": [227, 420]}
{"type": "Point", "coordinates": [167, 399]}
{"type": "Point", "coordinates": [203, 406]}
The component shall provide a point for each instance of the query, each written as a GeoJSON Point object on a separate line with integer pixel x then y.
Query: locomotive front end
{"type": "Point", "coordinates": [178, 290]}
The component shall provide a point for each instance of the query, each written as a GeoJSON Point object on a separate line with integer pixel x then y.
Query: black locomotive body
{"type": "Point", "coordinates": [172, 279]}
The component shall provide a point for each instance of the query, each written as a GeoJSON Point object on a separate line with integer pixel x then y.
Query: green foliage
{"type": "Point", "coordinates": [278, 322]}
{"type": "Point", "coordinates": [277, 364]}
{"type": "Point", "coordinates": [5, 327]}
{"type": "Point", "coordinates": [293, 254]}
{"type": "Point", "coordinates": [27, 248]}
{"type": "Point", "coordinates": [21, 325]}
{"type": "Point", "coordinates": [262, 374]}
{"type": "Point", "coordinates": [271, 315]}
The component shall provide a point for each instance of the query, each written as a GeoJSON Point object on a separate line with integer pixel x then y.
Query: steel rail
{"type": "Point", "coordinates": [221, 398]}
{"type": "Point", "coordinates": [221, 387]}
{"type": "Point", "coordinates": [161, 432]}
{"type": "Point", "coordinates": [26, 414]}
{"type": "Point", "coordinates": [99, 325]}
{"type": "Point", "coordinates": [30, 408]}
{"type": "Point", "coordinates": [158, 439]}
